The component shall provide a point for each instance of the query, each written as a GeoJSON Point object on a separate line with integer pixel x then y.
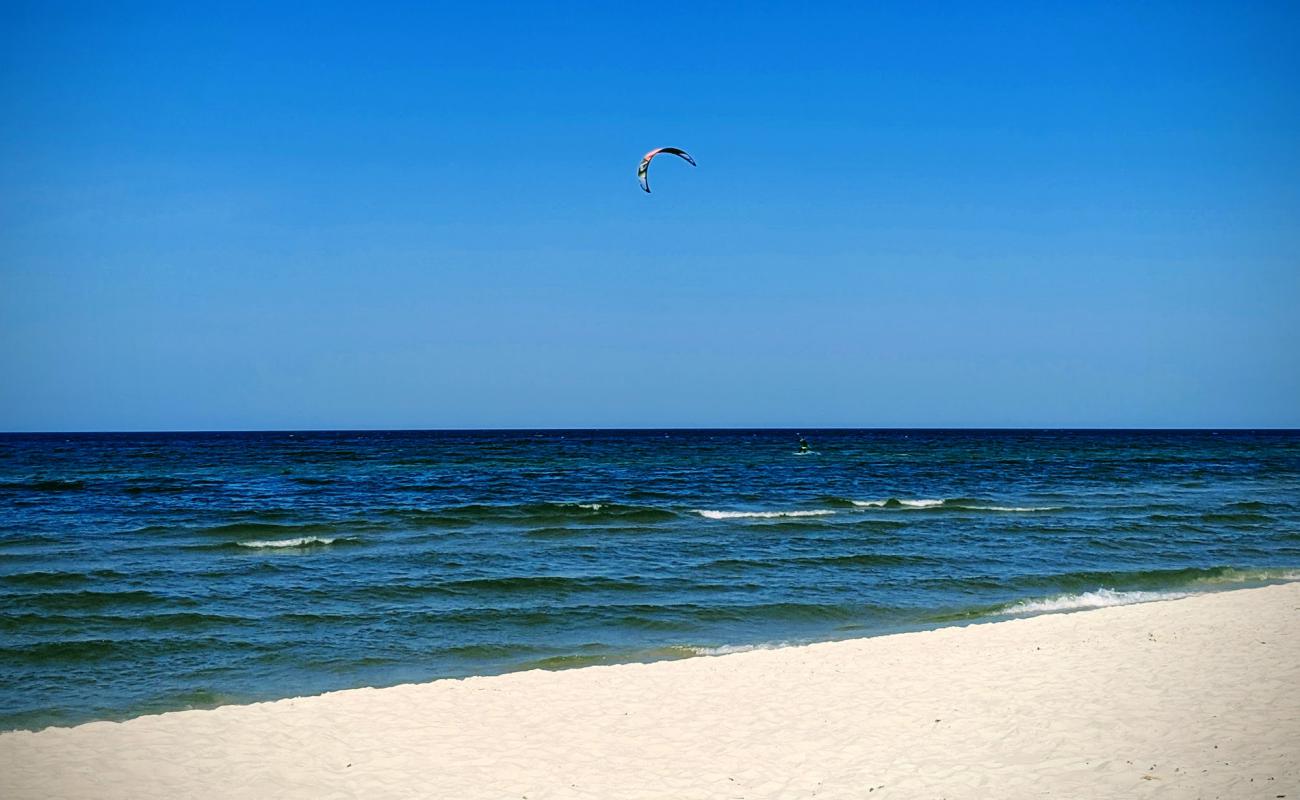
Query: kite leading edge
{"type": "Point", "coordinates": [645, 163]}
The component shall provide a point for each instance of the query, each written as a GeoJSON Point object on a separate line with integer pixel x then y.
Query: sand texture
{"type": "Point", "coordinates": [1198, 697]}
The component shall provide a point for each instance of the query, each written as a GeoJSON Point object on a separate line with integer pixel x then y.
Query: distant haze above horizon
{"type": "Point", "coordinates": [981, 215]}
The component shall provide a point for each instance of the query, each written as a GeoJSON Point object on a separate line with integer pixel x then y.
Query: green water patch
{"type": "Point", "coordinates": [488, 651]}
{"type": "Point", "coordinates": [99, 650]}
{"type": "Point", "coordinates": [179, 621]}
{"type": "Point", "coordinates": [41, 579]}
{"type": "Point", "coordinates": [90, 600]}
{"type": "Point", "coordinates": [600, 655]}
{"type": "Point", "coordinates": [567, 662]}
{"type": "Point", "coordinates": [787, 612]}
{"type": "Point", "coordinates": [1236, 518]}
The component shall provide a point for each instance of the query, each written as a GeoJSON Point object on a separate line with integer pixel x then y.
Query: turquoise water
{"type": "Point", "coordinates": [143, 573]}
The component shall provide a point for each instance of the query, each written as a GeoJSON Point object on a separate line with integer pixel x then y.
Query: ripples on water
{"type": "Point", "coordinates": [143, 573]}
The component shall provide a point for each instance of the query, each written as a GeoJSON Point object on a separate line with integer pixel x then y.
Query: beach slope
{"type": "Point", "coordinates": [1197, 697]}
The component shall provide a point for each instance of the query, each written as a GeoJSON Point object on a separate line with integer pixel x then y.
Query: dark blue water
{"type": "Point", "coordinates": [142, 573]}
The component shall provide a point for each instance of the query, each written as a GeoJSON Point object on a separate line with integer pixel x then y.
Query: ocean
{"type": "Point", "coordinates": [142, 573]}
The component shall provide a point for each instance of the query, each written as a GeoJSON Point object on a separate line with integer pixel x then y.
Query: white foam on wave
{"type": "Point", "coordinates": [301, 541]}
{"type": "Point", "coordinates": [892, 503]}
{"type": "Point", "coordinates": [729, 649]}
{"type": "Point", "coordinates": [1251, 576]}
{"type": "Point", "coordinates": [761, 514]}
{"type": "Point", "coordinates": [591, 506]}
{"type": "Point", "coordinates": [903, 503]}
{"type": "Point", "coordinates": [1101, 598]}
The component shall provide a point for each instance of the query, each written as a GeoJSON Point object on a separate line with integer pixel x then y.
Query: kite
{"type": "Point", "coordinates": [645, 163]}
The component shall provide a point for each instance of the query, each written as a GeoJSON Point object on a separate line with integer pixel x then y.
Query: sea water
{"type": "Point", "coordinates": [142, 573]}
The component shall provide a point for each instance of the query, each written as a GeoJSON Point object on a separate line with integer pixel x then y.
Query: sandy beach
{"type": "Point", "coordinates": [1196, 697]}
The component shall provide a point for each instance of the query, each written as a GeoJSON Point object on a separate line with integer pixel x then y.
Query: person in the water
{"type": "Point", "coordinates": [803, 443]}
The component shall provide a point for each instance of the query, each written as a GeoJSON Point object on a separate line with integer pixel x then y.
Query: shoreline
{"type": "Point", "coordinates": [1067, 603]}
{"type": "Point", "coordinates": [1194, 696]}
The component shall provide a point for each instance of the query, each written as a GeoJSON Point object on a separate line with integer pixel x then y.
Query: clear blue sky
{"type": "Point", "coordinates": [982, 214]}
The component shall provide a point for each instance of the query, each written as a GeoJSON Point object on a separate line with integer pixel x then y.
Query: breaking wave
{"type": "Point", "coordinates": [1100, 598]}
{"type": "Point", "coordinates": [1189, 582]}
{"type": "Point", "coordinates": [958, 504]}
{"type": "Point", "coordinates": [731, 649]}
{"type": "Point", "coordinates": [708, 514]}
{"type": "Point", "coordinates": [301, 541]}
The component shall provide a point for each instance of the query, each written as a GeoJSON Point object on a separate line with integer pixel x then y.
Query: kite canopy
{"type": "Point", "coordinates": [645, 163]}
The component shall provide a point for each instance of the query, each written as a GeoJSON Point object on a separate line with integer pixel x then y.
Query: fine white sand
{"type": "Point", "coordinates": [1197, 697]}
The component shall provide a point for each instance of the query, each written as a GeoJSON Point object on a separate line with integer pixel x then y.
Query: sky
{"type": "Point", "coordinates": [326, 215]}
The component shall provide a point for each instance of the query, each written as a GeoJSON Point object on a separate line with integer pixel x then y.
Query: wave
{"type": "Point", "coordinates": [167, 485]}
{"type": "Point", "coordinates": [1176, 579]}
{"type": "Point", "coordinates": [557, 532]}
{"type": "Point", "coordinates": [848, 560]}
{"type": "Point", "coordinates": [1099, 598]}
{"type": "Point", "coordinates": [1080, 590]}
{"type": "Point", "coordinates": [266, 524]}
{"type": "Point", "coordinates": [486, 651]}
{"type": "Point", "coordinates": [600, 612]}
{"type": "Point", "coordinates": [1178, 584]}
{"type": "Point", "coordinates": [40, 579]}
{"type": "Point", "coordinates": [732, 649]}
{"type": "Point", "coordinates": [1236, 518]}
{"type": "Point", "coordinates": [38, 485]}
{"type": "Point", "coordinates": [82, 650]}
{"type": "Point", "coordinates": [99, 618]}
{"type": "Point", "coordinates": [301, 541]}
{"type": "Point", "coordinates": [650, 623]}
{"type": "Point", "coordinates": [569, 662]}
{"type": "Point", "coordinates": [531, 514]}
{"type": "Point", "coordinates": [708, 514]}
{"type": "Point", "coordinates": [230, 534]}
{"type": "Point", "coordinates": [1249, 505]}
{"type": "Point", "coordinates": [606, 656]}
{"type": "Point", "coordinates": [1225, 575]}
{"type": "Point", "coordinates": [958, 504]}
{"type": "Point", "coordinates": [548, 583]}
{"type": "Point", "coordinates": [604, 511]}
{"type": "Point", "coordinates": [308, 480]}
{"type": "Point", "coordinates": [92, 600]}
{"type": "Point", "coordinates": [120, 649]}
{"type": "Point", "coordinates": [896, 503]}
{"type": "Point", "coordinates": [1232, 519]}
{"type": "Point", "coordinates": [779, 612]}
{"type": "Point", "coordinates": [574, 531]}
{"type": "Point", "coordinates": [536, 599]}
{"type": "Point", "coordinates": [272, 528]}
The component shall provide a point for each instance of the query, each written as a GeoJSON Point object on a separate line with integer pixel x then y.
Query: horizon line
{"type": "Point", "coordinates": [638, 429]}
